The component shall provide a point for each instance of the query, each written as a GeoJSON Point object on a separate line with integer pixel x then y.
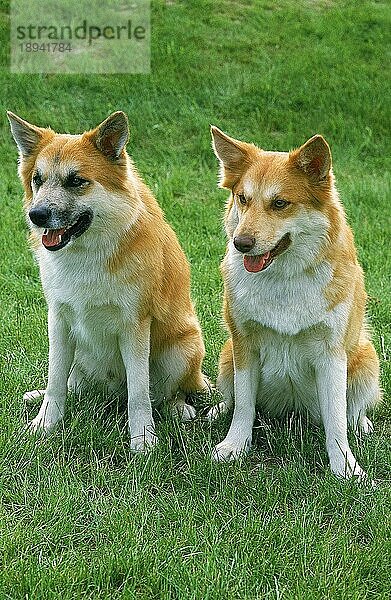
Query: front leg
{"type": "Point", "coordinates": [134, 346]}
{"type": "Point", "coordinates": [331, 378]}
{"type": "Point", "coordinates": [61, 355]}
{"type": "Point", "coordinates": [246, 380]}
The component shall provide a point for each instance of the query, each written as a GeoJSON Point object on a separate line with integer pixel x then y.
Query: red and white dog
{"type": "Point", "coordinates": [294, 299]}
{"type": "Point", "coordinates": [116, 281]}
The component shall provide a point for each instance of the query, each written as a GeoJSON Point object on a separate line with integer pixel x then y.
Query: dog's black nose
{"type": "Point", "coordinates": [244, 243]}
{"type": "Point", "coordinates": [40, 215]}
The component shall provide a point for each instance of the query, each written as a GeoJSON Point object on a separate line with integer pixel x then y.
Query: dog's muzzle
{"type": "Point", "coordinates": [55, 239]}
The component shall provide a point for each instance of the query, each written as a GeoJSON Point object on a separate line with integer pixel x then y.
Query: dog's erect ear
{"type": "Point", "coordinates": [234, 156]}
{"type": "Point", "coordinates": [314, 158]}
{"type": "Point", "coordinates": [26, 136]}
{"type": "Point", "coordinates": [111, 136]}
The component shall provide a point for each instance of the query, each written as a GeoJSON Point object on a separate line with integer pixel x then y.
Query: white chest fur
{"type": "Point", "coordinates": [295, 328]}
{"type": "Point", "coordinates": [287, 303]}
{"type": "Point", "coordinates": [96, 306]}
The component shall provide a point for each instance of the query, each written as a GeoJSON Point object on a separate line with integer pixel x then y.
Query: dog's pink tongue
{"type": "Point", "coordinates": [255, 263]}
{"type": "Point", "coordinates": [52, 237]}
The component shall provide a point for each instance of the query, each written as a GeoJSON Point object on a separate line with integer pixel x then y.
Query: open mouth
{"type": "Point", "coordinates": [260, 262]}
{"type": "Point", "coordinates": [55, 239]}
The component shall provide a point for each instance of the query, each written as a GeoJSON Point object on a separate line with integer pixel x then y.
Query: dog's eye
{"type": "Point", "coordinates": [242, 199]}
{"type": "Point", "coordinates": [75, 181]}
{"type": "Point", "coordinates": [37, 179]}
{"type": "Point", "coordinates": [278, 204]}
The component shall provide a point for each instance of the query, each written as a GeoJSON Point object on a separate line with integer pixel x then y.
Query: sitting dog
{"type": "Point", "coordinates": [294, 299]}
{"type": "Point", "coordinates": [116, 281]}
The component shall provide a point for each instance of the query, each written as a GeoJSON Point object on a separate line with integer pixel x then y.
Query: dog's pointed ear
{"type": "Point", "coordinates": [233, 155]}
{"type": "Point", "coordinates": [314, 158]}
{"type": "Point", "coordinates": [26, 136]}
{"type": "Point", "coordinates": [111, 136]}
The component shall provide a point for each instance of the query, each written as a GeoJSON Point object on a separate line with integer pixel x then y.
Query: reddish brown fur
{"type": "Point", "coordinates": [300, 185]}
{"type": "Point", "coordinates": [148, 253]}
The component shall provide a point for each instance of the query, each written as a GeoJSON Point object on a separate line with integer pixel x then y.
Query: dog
{"type": "Point", "coordinates": [115, 278]}
{"type": "Point", "coordinates": [294, 300]}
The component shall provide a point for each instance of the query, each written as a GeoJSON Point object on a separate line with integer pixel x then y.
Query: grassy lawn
{"type": "Point", "coordinates": [79, 516]}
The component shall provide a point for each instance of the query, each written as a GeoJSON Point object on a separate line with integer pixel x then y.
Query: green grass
{"type": "Point", "coordinates": [79, 516]}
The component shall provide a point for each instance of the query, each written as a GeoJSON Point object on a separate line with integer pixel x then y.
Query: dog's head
{"type": "Point", "coordinates": [67, 178]}
{"type": "Point", "coordinates": [278, 199]}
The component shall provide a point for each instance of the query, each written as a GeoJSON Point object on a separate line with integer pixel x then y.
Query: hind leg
{"type": "Point", "coordinates": [33, 395]}
{"type": "Point", "coordinates": [181, 409]}
{"type": "Point", "coordinates": [176, 373]}
{"type": "Point", "coordinates": [80, 382]}
{"type": "Point", "coordinates": [77, 381]}
{"type": "Point", "coordinates": [363, 389]}
{"type": "Point", "coordinates": [225, 383]}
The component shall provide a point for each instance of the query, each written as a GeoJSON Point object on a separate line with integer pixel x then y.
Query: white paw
{"type": "Point", "coordinates": [357, 472]}
{"type": "Point", "coordinates": [359, 475]}
{"type": "Point", "coordinates": [216, 411]}
{"type": "Point", "coordinates": [349, 470]}
{"type": "Point", "coordinates": [230, 451]}
{"type": "Point", "coordinates": [33, 395]}
{"type": "Point", "coordinates": [185, 412]}
{"type": "Point", "coordinates": [41, 425]}
{"type": "Point", "coordinates": [144, 442]}
{"type": "Point", "coordinates": [366, 426]}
